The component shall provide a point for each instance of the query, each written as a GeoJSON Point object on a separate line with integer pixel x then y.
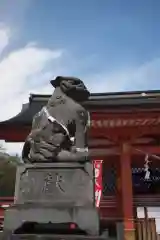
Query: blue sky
{"type": "Point", "coordinates": [113, 45]}
{"type": "Point", "coordinates": [116, 32]}
{"type": "Point", "coordinates": [102, 36]}
{"type": "Point", "coordinates": [106, 40]}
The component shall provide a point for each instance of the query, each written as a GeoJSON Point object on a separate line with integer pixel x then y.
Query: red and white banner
{"type": "Point", "coordinates": [98, 181]}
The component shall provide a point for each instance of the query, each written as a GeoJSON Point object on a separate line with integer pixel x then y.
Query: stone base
{"type": "Point", "coordinates": [86, 219]}
{"type": "Point", "coordinates": [59, 183]}
{"type": "Point", "coordinates": [54, 193]}
{"type": "Point", "coordinates": [48, 237]}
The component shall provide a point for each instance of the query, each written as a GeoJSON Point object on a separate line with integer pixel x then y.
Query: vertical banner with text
{"type": "Point", "coordinates": [98, 181]}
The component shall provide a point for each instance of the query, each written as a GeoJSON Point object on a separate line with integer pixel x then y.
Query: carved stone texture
{"type": "Point", "coordinates": [54, 193]}
{"type": "Point", "coordinates": [59, 130]}
{"type": "Point", "coordinates": [69, 184]}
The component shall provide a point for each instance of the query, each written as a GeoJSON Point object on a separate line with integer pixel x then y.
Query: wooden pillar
{"type": "Point", "coordinates": [125, 193]}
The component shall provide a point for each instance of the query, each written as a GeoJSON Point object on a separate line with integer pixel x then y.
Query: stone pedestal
{"type": "Point", "coordinates": [54, 193]}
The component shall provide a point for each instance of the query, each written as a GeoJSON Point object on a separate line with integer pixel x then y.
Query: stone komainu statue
{"type": "Point", "coordinates": [60, 182]}
{"type": "Point", "coordinates": [59, 130]}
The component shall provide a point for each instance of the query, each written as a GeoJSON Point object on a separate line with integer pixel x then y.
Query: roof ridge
{"type": "Point", "coordinates": [107, 95]}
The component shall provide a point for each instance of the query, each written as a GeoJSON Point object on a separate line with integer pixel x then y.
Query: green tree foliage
{"type": "Point", "coordinates": [8, 166]}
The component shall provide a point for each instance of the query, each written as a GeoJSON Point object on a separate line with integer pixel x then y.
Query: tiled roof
{"type": "Point", "coordinates": [118, 101]}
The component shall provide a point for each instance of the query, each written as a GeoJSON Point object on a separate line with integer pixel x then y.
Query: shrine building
{"type": "Point", "coordinates": [125, 134]}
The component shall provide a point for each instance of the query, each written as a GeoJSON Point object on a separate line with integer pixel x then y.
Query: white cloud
{"type": "Point", "coordinates": [20, 66]}
{"type": "Point", "coordinates": [20, 73]}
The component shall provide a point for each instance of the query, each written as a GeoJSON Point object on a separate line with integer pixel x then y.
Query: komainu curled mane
{"type": "Point", "coordinates": [59, 130]}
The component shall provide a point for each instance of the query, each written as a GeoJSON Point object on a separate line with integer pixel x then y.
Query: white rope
{"type": "Point", "coordinates": [146, 164]}
{"type": "Point", "coordinates": [146, 167]}
{"type": "Point", "coordinates": [52, 119]}
{"type": "Point", "coordinates": [146, 153]}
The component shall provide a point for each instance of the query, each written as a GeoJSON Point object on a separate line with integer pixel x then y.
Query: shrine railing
{"type": "Point", "coordinates": [138, 200]}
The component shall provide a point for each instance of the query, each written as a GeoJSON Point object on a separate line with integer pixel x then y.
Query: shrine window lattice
{"type": "Point", "coordinates": [109, 180]}
{"type": "Point", "coordinates": [140, 184]}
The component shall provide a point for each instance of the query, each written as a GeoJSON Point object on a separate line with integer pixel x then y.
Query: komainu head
{"type": "Point", "coordinates": [72, 87]}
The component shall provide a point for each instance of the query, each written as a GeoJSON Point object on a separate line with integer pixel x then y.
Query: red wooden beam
{"type": "Point", "coordinates": [102, 152]}
{"type": "Point", "coordinates": [141, 150]}
{"type": "Point", "coordinates": [125, 115]}
{"type": "Point", "coordinates": [14, 134]}
{"type": "Point", "coordinates": [138, 150]}
{"type": "Point", "coordinates": [125, 192]}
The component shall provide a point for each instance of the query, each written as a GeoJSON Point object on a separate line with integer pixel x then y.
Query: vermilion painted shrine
{"type": "Point", "coordinates": [125, 128]}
